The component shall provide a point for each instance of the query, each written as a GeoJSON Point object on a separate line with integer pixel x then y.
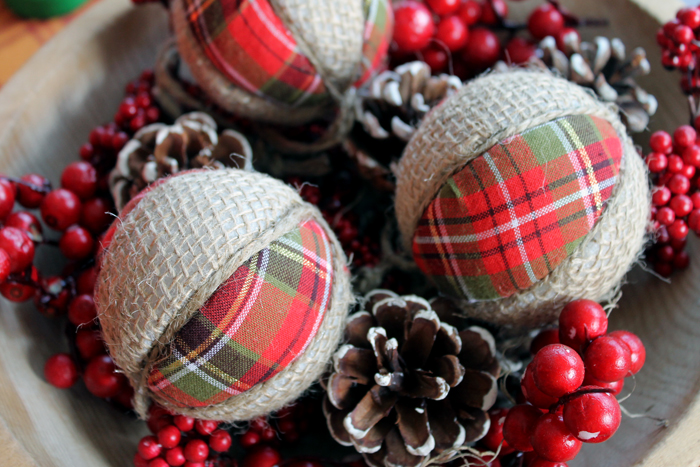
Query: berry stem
{"type": "Point", "coordinates": [40, 189]}
{"type": "Point", "coordinates": [569, 397]}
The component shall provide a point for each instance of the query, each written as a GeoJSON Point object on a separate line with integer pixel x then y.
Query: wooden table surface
{"type": "Point", "coordinates": [20, 38]}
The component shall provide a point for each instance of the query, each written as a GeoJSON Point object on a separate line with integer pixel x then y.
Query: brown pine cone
{"type": "Point", "coordinates": [160, 150]}
{"type": "Point", "coordinates": [407, 387]}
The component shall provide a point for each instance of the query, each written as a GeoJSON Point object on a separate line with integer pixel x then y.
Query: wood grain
{"type": "Point", "coordinates": [76, 81]}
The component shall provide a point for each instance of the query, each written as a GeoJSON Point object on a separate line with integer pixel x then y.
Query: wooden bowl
{"type": "Point", "coordinates": [76, 81]}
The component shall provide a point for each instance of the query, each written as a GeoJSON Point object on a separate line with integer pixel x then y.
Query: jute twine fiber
{"type": "Point", "coordinates": [328, 32]}
{"type": "Point", "coordinates": [495, 107]}
{"type": "Point", "coordinates": [171, 253]}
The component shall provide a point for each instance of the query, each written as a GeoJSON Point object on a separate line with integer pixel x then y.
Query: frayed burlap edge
{"type": "Point", "coordinates": [495, 107]}
{"type": "Point", "coordinates": [136, 364]}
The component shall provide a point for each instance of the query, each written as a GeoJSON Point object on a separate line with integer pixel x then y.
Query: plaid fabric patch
{"type": "Point", "coordinates": [379, 27]}
{"type": "Point", "coordinates": [250, 45]}
{"type": "Point", "coordinates": [513, 214]}
{"type": "Point", "coordinates": [256, 323]}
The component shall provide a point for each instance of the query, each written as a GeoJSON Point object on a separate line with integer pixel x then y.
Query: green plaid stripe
{"type": "Point", "coordinates": [513, 214]}
{"type": "Point", "coordinates": [379, 28]}
{"type": "Point", "coordinates": [256, 323]}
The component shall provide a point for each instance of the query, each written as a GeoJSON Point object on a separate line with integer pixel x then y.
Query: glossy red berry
{"type": "Point", "coordinates": [519, 423]}
{"type": "Point", "coordinates": [205, 427]}
{"type": "Point", "coordinates": [545, 337]}
{"type": "Point", "coordinates": [82, 311]}
{"type": "Point", "coordinates": [691, 155]}
{"type": "Point", "coordinates": [444, 7]}
{"type": "Point", "coordinates": [688, 171]}
{"type": "Point", "coordinates": [545, 21]}
{"type": "Point", "coordinates": [681, 260]}
{"type": "Point", "coordinates": [86, 151]}
{"type": "Point", "coordinates": [27, 222]}
{"type": "Point", "coordinates": [581, 321]}
{"type": "Point", "coordinates": [482, 50]}
{"type": "Point", "coordinates": [638, 353]}
{"type": "Point", "coordinates": [593, 417]}
{"type": "Point", "coordinates": [532, 393]}
{"type": "Point", "coordinates": [436, 58]}
{"type": "Point", "coordinates": [27, 196]}
{"type": "Point", "coordinates": [60, 371]}
{"type": "Point", "coordinates": [60, 209]}
{"type": "Point", "coordinates": [452, 33]}
{"type": "Point", "coordinates": [95, 215]}
{"type": "Point", "coordinates": [220, 441]}
{"type": "Point", "coordinates": [470, 12]}
{"type": "Point", "coordinates": [175, 456]}
{"type": "Point", "coordinates": [661, 196]}
{"type": "Point", "coordinates": [682, 34]}
{"type": "Point", "coordinates": [665, 253]}
{"type": "Point", "coordinates": [557, 370]}
{"type": "Point", "coordinates": [678, 230]}
{"type": "Point", "coordinates": [493, 12]}
{"type": "Point", "coordinates": [657, 162]}
{"type": "Point", "coordinates": [89, 343]}
{"type": "Point", "coordinates": [5, 265]}
{"type": "Point", "coordinates": [679, 184]}
{"type": "Point", "coordinates": [19, 291]}
{"type": "Point", "coordinates": [263, 456]}
{"type": "Point", "coordinates": [675, 164]}
{"type": "Point", "coordinates": [76, 243]}
{"type": "Point", "coordinates": [519, 50]}
{"type": "Point", "coordinates": [566, 39]}
{"type": "Point", "coordinates": [184, 423]}
{"type": "Point", "coordinates": [608, 359]}
{"type": "Point", "coordinates": [665, 216]}
{"type": "Point", "coordinates": [149, 448]}
{"type": "Point", "coordinates": [169, 436]}
{"type": "Point", "coordinates": [552, 440]}
{"type": "Point", "coordinates": [413, 26]}
{"type": "Point", "coordinates": [158, 418]}
{"type": "Point", "coordinates": [18, 246]}
{"type": "Point", "coordinates": [684, 136]}
{"type": "Point", "coordinates": [101, 378]}
{"type": "Point", "coordinates": [80, 178]}
{"type": "Point", "coordinates": [85, 283]}
{"type": "Point", "coordinates": [249, 439]}
{"type": "Point", "coordinates": [158, 462]}
{"type": "Point", "coordinates": [196, 450]}
{"type": "Point", "coordinates": [682, 205]}
{"type": "Point", "coordinates": [661, 142]}
{"type": "Point", "coordinates": [494, 437]}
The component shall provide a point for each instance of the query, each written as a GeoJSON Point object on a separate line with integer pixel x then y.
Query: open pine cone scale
{"type": "Point", "coordinates": [407, 387]}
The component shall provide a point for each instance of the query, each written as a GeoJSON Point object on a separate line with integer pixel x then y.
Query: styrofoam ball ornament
{"type": "Point", "coordinates": [520, 193]}
{"type": "Point", "coordinates": [221, 294]}
{"type": "Point", "coordinates": [281, 61]}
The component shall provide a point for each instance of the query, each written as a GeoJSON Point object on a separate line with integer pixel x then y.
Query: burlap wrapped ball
{"type": "Point", "coordinates": [282, 61]}
{"type": "Point", "coordinates": [520, 193]}
{"type": "Point", "coordinates": [222, 295]}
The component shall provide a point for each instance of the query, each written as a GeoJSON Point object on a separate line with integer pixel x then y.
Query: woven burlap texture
{"type": "Point", "coordinates": [495, 107]}
{"type": "Point", "coordinates": [171, 253]}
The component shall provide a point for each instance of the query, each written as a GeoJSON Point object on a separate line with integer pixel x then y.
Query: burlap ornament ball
{"type": "Point", "coordinates": [222, 295]}
{"type": "Point", "coordinates": [282, 61]}
{"type": "Point", "coordinates": [520, 193]}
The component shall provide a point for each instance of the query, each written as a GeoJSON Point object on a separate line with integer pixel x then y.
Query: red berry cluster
{"type": "Point", "coordinates": [678, 41]}
{"type": "Point", "coordinates": [465, 30]}
{"type": "Point", "coordinates": [676, 196]}
{"type": "Point", "coordinates": [570, 388]}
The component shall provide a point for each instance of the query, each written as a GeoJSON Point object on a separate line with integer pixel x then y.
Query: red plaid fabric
{"type": "Point", "coordinates": [256, 323]}
{"type": "Point", "coordinates": [513, 214]}
{"type": "Point", "coordinates": [252, 47]}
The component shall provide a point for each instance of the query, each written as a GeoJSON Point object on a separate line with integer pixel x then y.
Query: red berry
{"type": "Point", "coordinates": [220, 441]}
{"type": "Point", "coordinates": [665, 253]}
{"type": "Point", "coordinates": [684, 136]}
{"type": "Point", "coordinates": [169, 436]}
{"type": "Point", "coordinates": [149, 448]}
{"type": "Point", "coordinates": [518, 425]}
{"type": "Point", "coordinates": [691, 155]}
{"type": "Point", "coordinates": [532, 393]}
{"type": "Point", "coordinates": [493, 12]}
{"type": "Point", "coordinates": [657, 162]}
{"type": "Point", "coordinates": [675, 164]}
{"type": "Point", "coordinates": [76, 243]}
{"type": "Point", "coordinates": [566, 39]}
{"type": "Point", "coordinates": [688, 171]}
{"type": "Point", "coordinates": [615, 387]}
{"type": "Point", "coordinates": [196, 450]}
{"type": "Point", "coordinates": [470, 12]}
{"type": "Point", "coordinates": [661, 196]}
{"type": "Point", "coordinates": [678, 230]}
{"type": "Point", "coordinates": [158, 418]}
{"type": "Point", "coordinates": [138, 122]}
{"type": "Point", "coordinates": [482, 50]}
{"type": "Point", "coordinates": [436, 58]}
{"type": "Point", "coordinates": [452, 33]}
{"type": "Point", "coordinates": [263, 456]}
{"type": "Point", "coordinates": [681, 260]}
{"type": "Point", "coordinates": [678, 245]}
{"type": "Point", "coordinates": [249, 439]}
{"type": "Point", "coordinates": [5, 265]}
{"type": "Point", "coordinates": [28, 197]}
{"type": "Point", "coordinates": [552, 440]}
{"type": "Point", "coordinates": [175, 456]}
{"type": "Point", "coordinates": [82, 311]}
{"type": "Point", "coordinates": [158, 462]}
{"type": "Point", "coordinates": [494, 437]}
{"type": "Point", "coordinates": [20, 291]}
{"type": "Point", "coordinates": [444, 7]}
{"type": "Point", "coordinates": [143, 100]}
{"type": "Point", "coordinates": [18, 246]}
{"type": "Point", "coordinates": [60, 371]}
{"type": "Point", "coordinates": [205, 427]}
{"type": "Point", "coordinates": [152, 114]}
{"type": "Point", "coordinates": [87, 151]}
{"type": "Point", "coordinates": [85, 283]}
{"type": "Point", "coordinates": [95, 215]}
{"type": "Point", "coordinates": [681, 205]}
{"type": "Point", "coordinates": [557, 370]}
{"type": "Point", "coordinates": [608, 359]}
{"type": "Point", "coordinates": [679, 184]}
{"type": "Point", "coordinates": [519, 50]}
{"type": "Point", "coordinates": [581, 321]}
{"type": "Point", "coordinates": [80, 178]}
{"type": "Point", "coordinates": [683, 34]}
{"type": "Point", "coordinates": [268, 434]}
{"type": "Point", "coordinates": [413, 26]}
{"type": "Point", "coordinates": [663, 269]}
{"type": "Point", "coordinates": [101, 378]}
{"type": "Point", "coordinates": [638, 353]}
{"type": "Point", "coordinates": [545, 21]}
{"type": "Point", "coordinates": [140, 461]}
{"type": "Point", "coordinates": [27, 222]}
{"type": "Point", "coordinates": [60, 209]}
{"type": "Point", "coordinates": [665, 216]}
{"type": "Point", "coordinates": [89, 343]}
{"type": "Point", "coordinates": [661, 142]}
{"type": "Point", "coordinates": [593, 417]}
{"type": "Point", "coordinates": [184, 422]}
{"type": "Point", "coordinates": [545, 337]}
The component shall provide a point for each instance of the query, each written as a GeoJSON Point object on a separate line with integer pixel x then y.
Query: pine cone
{"type": "Point", "coordinates": [408, 387]}
{"type": "Point", "coordinates": [160, 150]}
{"type": "Point", "coordinates": [603, 66]}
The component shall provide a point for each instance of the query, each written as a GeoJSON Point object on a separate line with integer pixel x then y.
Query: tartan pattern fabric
{"type": "Point", "coordinates": [257, 322]}
{"type": "Point", "coordinates": [379, 26]}
{"type": "Point", "coordinates": [250, 45]}
{"type": "Point", "coordinates": [513, 214]}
